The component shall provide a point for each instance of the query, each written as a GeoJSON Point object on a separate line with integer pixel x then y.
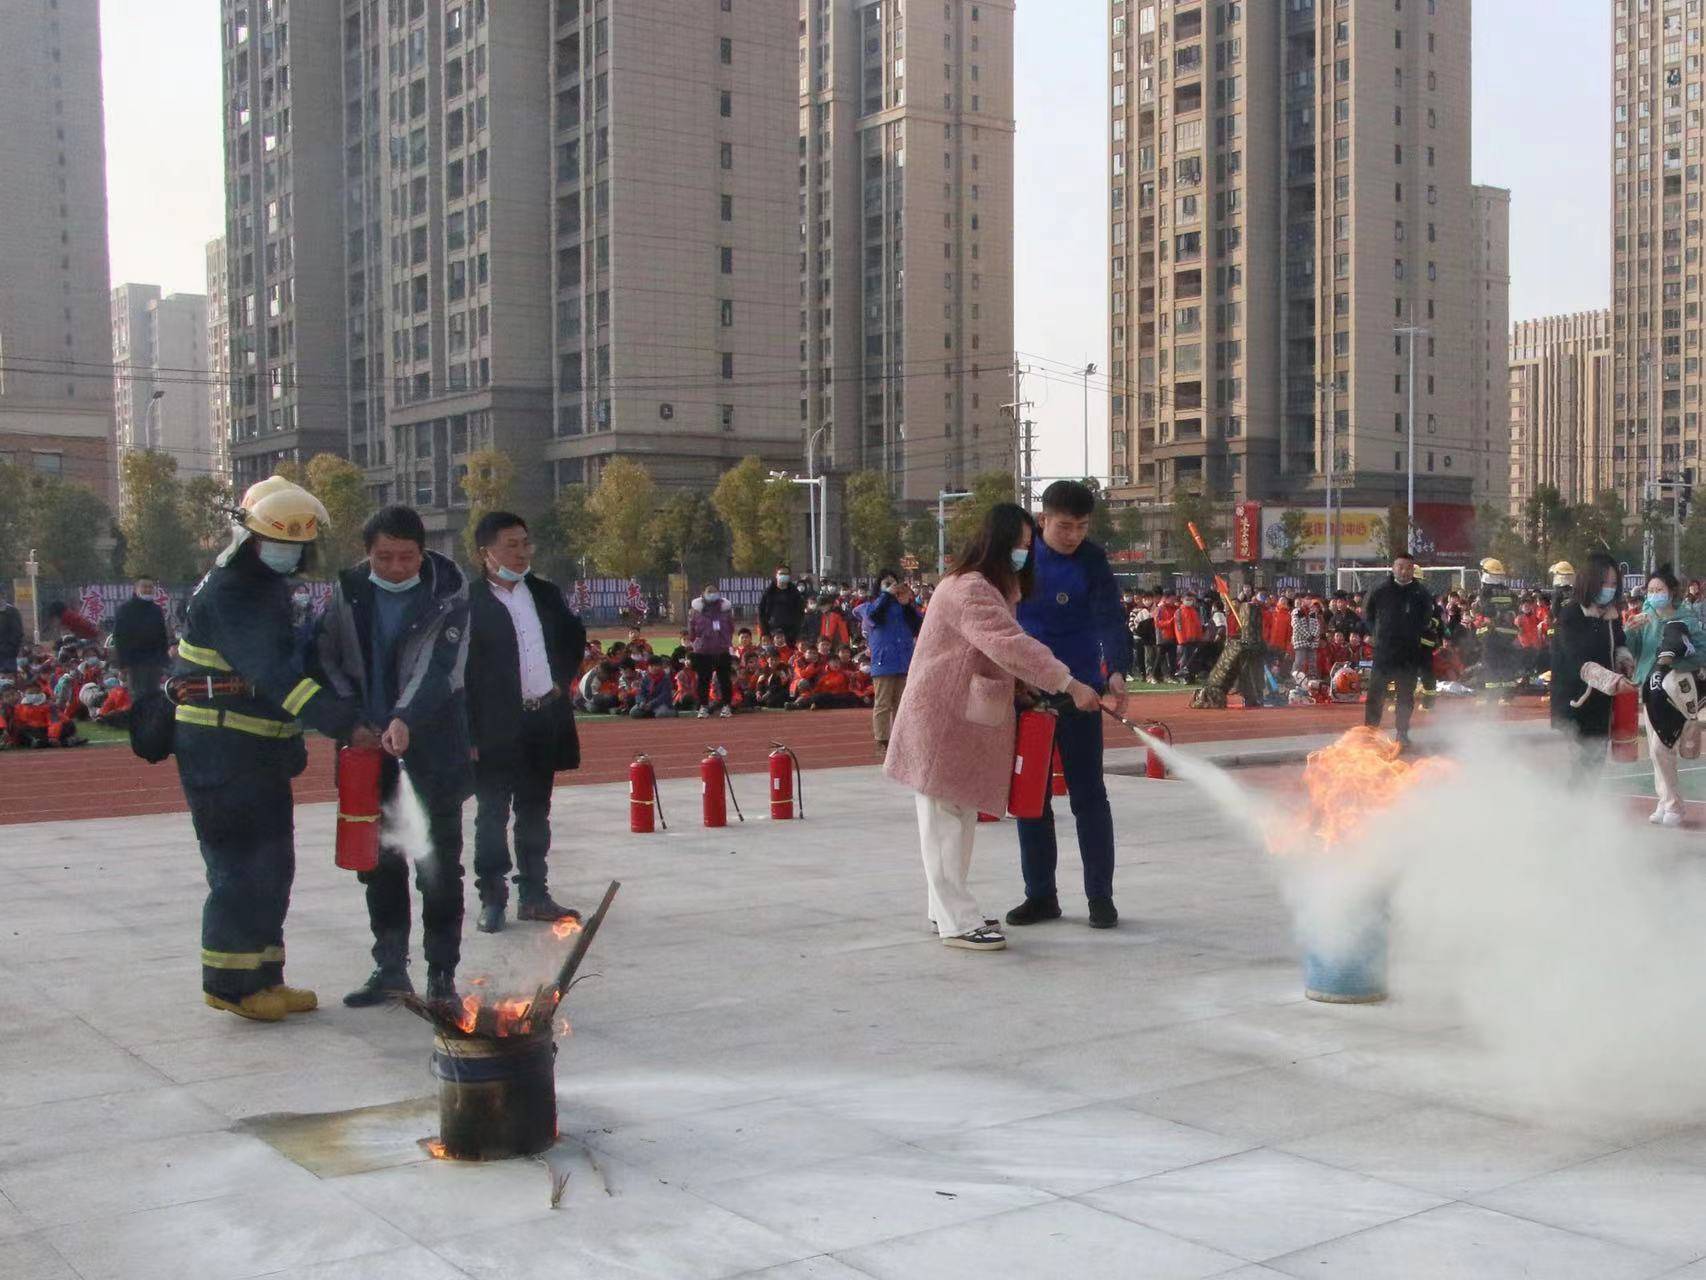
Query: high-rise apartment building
{"type": "Point", "coordinates": [674, 241]}
{"type": "Point", "coordinates": [161, 376]}
{"type": "Point", "coordinates": [1658, 76]}
{"type": "Point", "coordinates": [284, 233]}
{"type": "Point", "coordinates": [1560, 406]}
{"type": "Point", "coordinates": [56, 390]}
{"type": "Point", "coordinates": [1490, 291]}
{"type": "Point", "coordinates": [906, 204]}
{"type": "Point", "coordinates": [218, 343]}
{"type": "Point", "coordinates": [1290, 190]}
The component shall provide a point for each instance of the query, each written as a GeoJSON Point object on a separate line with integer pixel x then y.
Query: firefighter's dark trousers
{"type": "Point", "coordinates": [247, 834]}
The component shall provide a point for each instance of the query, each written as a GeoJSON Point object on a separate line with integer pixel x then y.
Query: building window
{"type": "Point", "coordinates": [728, 366]}
{"type": "Point", "coordinates": [728, 312]}
{"type": "Point", "coordinates": [728, 208]}
{"type": "Point", "coordinates": [728, 51]}
{"type": "Point", "coordinates": [726, 103]}
{"type": "Point", "coordinates": [728, 260]}
{"type": "Point", "coordinates": [726, 155]}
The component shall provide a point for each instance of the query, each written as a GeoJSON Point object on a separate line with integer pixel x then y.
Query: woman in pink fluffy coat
{"type": "Point", "coordinates": [953, 735]}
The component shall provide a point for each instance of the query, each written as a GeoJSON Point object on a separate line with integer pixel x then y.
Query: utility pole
{"type": "Point", "coordinates": [1027, 495]}
{"type": "Point", "coordinates": [1652, 367]}
{"type": "Point", "coordinates": [942, 500]}
{"type": "Point", "coordinates": [1088, 370]}
{"type": "Point", "coordinates": [1412, 332]}
{"type": "Point", "coordinates": [1330, 446]}
{"type": "Point", "coordinates": [1021, 459]}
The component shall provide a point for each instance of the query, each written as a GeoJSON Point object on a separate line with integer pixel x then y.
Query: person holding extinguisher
{"type": "Point", "coordinates": [1662, 605]}
{"type": "Point", "coordinates": [395, 636]}
{"type": "Point", "coordinates": [952, 741]}
{"type": "Point", "coordinates": [1590, 630]}
{"type": "Point", "coordinates": [1074, 608]}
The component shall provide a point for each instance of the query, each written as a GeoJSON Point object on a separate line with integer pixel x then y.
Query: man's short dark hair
{"type": "Point", "coordinates": [1403, 555]}
{"type": "Point", "coordinates": [1069, 498]}
{"type": "Point", "coordinates": [402, 523]}
{"type": "Point", "coordinates": [493, 523]}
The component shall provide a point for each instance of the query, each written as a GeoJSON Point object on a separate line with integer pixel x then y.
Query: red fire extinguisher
{"type": "Point", "coordinates": [1154, 766]}
{"type": "Point", "coordinates": [988, 817]}
{"type": "Point", "coordinates": [1033, 749]}
{"type": "Point", "coordinates": [359, 771]}
{"type": "Point", "coordinates": [644, 799]}
{"type": "Point", "coordinates": [1057, 777]}
{"type": "Point", "coordinates": [714, 781]}
{"type": "Point", "coordinates": [786, 778]}
{"type": "Point", "coordinates": [1625, 724]}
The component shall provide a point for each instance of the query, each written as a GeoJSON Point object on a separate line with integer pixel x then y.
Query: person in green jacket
{"type": "Point", "coordinates": [1664, 603]}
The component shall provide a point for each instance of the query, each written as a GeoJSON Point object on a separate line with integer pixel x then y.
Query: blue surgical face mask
{"type": "Point", "coordinates": [510, 575]}
{"type": "Point", "coordinates": [408, 584]}
{"type": "Point", "coordinates": [280, 557]}
{"type": "Point", "coordinates": [1606, 595]}
{"type": "Point", "coordinates": [1020, 556]}
{"type": "Point", "coordinates": [1655, 601]}
{"type": "Point", "coordinates": [783, 579]}
{"type": "Point", "coordinates": [711, 597]}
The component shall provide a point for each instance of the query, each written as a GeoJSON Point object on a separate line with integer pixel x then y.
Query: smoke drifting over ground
{"type": "Point", "coordinates": [1562, 937]}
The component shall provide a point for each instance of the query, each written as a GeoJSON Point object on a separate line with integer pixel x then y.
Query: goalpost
{"type": "Point", "coordinates": [1436, 578]}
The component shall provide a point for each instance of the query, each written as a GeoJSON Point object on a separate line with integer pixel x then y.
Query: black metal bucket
{"type": "Point", "coordinates": [497, 1096]}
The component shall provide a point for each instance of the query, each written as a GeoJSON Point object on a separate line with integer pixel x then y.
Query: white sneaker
{"type": "Point", "coordinates": [1671, 820]}
{"type": "Point", "coordinates": [1656, 817]}
{"type": "Point", "coordinates": [725, 713]}
{"type": "Point", "coordinates": [704, 714]}
{"type": "Point", "coordinates": [984, 939]}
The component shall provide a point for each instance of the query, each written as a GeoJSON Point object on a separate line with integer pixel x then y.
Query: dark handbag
{"type": "Point", "coordinates": [153, 726]}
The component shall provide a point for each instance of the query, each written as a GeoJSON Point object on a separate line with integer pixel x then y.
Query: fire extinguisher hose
{"type": "Point", "coordinates": [657, 797]}
{"type": "Point", "coordinates": [799, 777]}
{"type": "Point", "coordinates": [728, 780]}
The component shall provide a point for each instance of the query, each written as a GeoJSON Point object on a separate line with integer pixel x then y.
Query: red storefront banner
{"type": "Point", "coordinates": [1247, 532]}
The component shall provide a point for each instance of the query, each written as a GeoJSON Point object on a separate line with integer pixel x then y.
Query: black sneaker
{"type": "Point", "coordinates": [545, 909]}
{"type": "Point", "coordinates": [1102, 913]}
{"type": "Point", "coordinates": [491, 918]}
{"type": "Point", "coordinates": [383, 985]}
{"type": "Point", "coordinates": [1035, 910]}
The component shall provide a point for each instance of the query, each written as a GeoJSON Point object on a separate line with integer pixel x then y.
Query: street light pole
{"type": "Point", "coordinates": [1412, 332]}
{"type": "Point", "coordinates": [32, 567]}
{"type": "Point", "coordinates": [152, 425]}
{"type": "Point", "coordinates": [1088, 370]}
{"type": "Point", "coordinates": [814, 506]}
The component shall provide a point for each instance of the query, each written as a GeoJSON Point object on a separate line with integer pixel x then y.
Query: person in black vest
{"type": "Point", "coordinates": [524, 649]}
{"type": "Point", "coordinates": [782, 605]}
{"type": "Point", "coordinates": [11, 635]}
{"type": "Point", "coordinates": [1398, 613]}
{"type": "Point", "coordinates": [141, 637]}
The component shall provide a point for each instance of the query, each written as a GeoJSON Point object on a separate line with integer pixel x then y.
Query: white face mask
{"type": "Point", "coordinates": [280, 557]}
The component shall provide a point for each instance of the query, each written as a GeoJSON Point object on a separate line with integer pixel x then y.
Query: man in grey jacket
{"type": "Point", "coordinates": [395, 635]}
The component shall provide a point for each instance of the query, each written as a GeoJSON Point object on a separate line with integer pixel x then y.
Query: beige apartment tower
{"type": "Point", "coordinates": [906, 205]}
{"type": "Point", "coordinates": [671, 267]}
{"type": "Point", "coordinates": [1560, 406]}
{"type": "Point", "coordinates": [1290, 194]}
{"type": "Point", "coordinates": [218, 360]}
{"type": "Point", "coordinates": [1656, 326]}
{"type": "Point", "coordinates": [1490, 291]}
{"type": "Point", "coordinates": [56, 388]}
{"type": "Point", "coordinates": [161, 376]}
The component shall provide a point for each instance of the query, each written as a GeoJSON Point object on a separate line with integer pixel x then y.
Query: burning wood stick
{"type": "Point", "coordinates": [542, 1013]}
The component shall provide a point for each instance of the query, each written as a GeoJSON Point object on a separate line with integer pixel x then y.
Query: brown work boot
{"type": "Point", "coordinates": [296, 999]}
{"type": "Point", "coordinates": [257, 1006]}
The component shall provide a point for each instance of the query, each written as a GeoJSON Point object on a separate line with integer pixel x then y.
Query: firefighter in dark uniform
{"type": "Point", "coordinates": [1496, 630]}
{"type": "Point", "coordinates": [240, 696]}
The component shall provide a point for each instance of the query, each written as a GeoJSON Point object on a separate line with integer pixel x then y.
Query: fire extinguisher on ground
{"type": "Point", "coordinates": [786, 780]}
{"type": "Point", "coordinates": [1154, 766]}
{"type": "Point", "coordinates": [1033, 753]}
{"type": "Point", "coordinates": [714, 783]}
{"type": "Point", "coordinates": [644, 799]}
{"type": "Point", "coordinates": [360, 771]}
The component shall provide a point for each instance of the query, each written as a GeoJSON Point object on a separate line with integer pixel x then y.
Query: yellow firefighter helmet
{"type": "Point", "coordinates": [1493, 568]}
{"type": "Point", "coordinates": [279, 509]}
{"type": "Point", "coordinates": [1563, 574]}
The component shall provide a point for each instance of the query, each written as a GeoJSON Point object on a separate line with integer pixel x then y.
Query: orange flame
{"type": "Point", "coordinates": [566, 927]}
{"type": "Point", "coordinates": [436, 1150]}
{"type": "Point", "coordinates": [1348, 783]}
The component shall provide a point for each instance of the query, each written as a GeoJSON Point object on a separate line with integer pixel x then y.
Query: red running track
{"type": "Point", "coordinates": [110, 782]}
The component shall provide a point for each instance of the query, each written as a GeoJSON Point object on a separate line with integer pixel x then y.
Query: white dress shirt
{"type": "Point", "coordinates": [529, 638]}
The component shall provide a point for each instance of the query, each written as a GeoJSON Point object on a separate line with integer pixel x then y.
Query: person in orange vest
{"type": "Point", "coordinates": [807, 666]}
{"type": "Point", "coordinates": [36, 722]}
{"type": "Point", "coordinates": [1276, 633]}
{"type": "Point", "coordinates": [1188, 625]}
{"type": "Point", "coordinates": [686, 689]}
{"type": "Point", "coordinates": [115, 705]}
{"type": "Point", "coordinates": [1167, 636]}
{"type": "Point", "coordinates": [833, 628]}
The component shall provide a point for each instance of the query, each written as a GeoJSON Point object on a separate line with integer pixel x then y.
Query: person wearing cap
{"type": "Point", "coordinates": [241, 697]}
{"type": "Point", "coordinates": [1497, 632]}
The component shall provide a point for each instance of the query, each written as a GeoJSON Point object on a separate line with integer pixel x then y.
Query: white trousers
{"type": "Point", "coordinates": [945, 835]}
{"type": "Point", "coordinates": [1664, 772]}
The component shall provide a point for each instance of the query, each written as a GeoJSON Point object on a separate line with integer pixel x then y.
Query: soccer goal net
{"type": "Point", "coordinates": [1437, 578]}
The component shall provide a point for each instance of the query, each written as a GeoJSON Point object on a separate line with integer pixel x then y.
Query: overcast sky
{"type": "Point", "coordinates": [1542, 128]}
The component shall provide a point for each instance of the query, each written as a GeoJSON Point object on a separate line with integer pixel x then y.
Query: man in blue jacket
{"type": "Point", "coordinates": [1074, 608]}
{"type": "Point", "coordinates": [892, 621]}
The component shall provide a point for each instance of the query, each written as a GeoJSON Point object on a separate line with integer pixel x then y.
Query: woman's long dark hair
{"type": "Point", "coordinates": [991, 548]}
{"type": "Point", "coordinates": [1665, 574]}
{"type": "Point", "coordinates": [1592, 578]}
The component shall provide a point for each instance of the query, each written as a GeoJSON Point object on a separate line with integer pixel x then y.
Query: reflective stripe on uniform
{"type": "Point", "coordinates": [215, 718]}
{"type": "Point", "coordinates": [272, 955]}
{"type": "Point", "coordinates": [232, 959]}
{"type": "Point", "coordinates": [298, 697]}
{"type": "Point", "coordinates": [202, 657]}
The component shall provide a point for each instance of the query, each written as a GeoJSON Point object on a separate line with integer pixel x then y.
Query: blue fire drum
{"type": "Point", "coordinates": [1354, 975]}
